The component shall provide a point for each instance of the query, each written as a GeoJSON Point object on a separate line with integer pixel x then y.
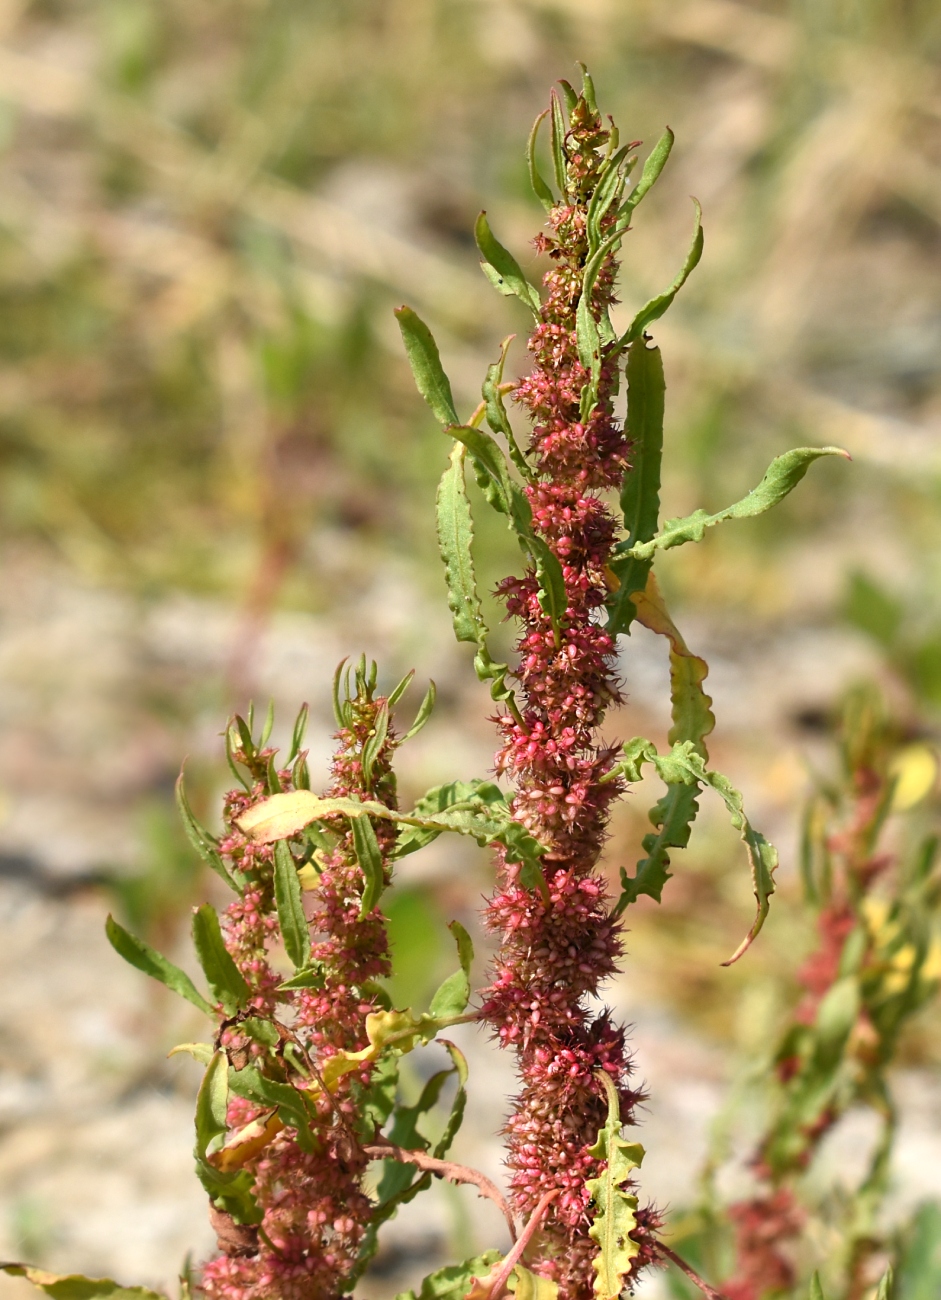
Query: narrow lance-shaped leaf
{"type": "Point", "coordinates": [816, 1290]}
{"type": "Point", "coordinates": [396, 694]}
{"type": "Point", "coordinates": [453, 995]}
{"type": "Point", "coordinates": [651, 172]}
{"type": "Point", "coordinates": [374, 742]}
{"type": "Point", "coordinates": [140, 955]}
{"type": "Point", "coordinates": [425, 710]}
{"type": "Point", "coordinates": [614, 1216]}
{"type": "Point", "coordinates": [540, 188]}
{"type": "Point", "coordinates": [425, 360]}
{"type": "Point", "coordinates": [502, 269]}
{"type": "Point", "coordinates": [558, 130]}
{"type": "Point", "coordinates": [672, 818]}
{"type": "Point", "coordinates": [205, 844]}
{"type": "Point", "coordinates": [225, 978]}
{"type": "Point", "coordinates": [369, 857]}
{"type": "Point", "coordinates": [640, 492]}
{"type": "Point", "coordinates": [495, 410]}
{"type": "Point", "coordinates": [290, 904]}
{"type": "Point", "coordinates": [458, 1106]}
{"type": "Point", "coordinates": [297, 736]}
{"type": "Point", "coordinates": [780, 478]}
{"type": "Point", "coordinates": [211, 1104]}
{"type": "Point", "coordinates": [655, 308]}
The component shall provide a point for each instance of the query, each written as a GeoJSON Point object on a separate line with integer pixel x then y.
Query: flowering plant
{"type": "Point", "coordinates": [302, 1142]}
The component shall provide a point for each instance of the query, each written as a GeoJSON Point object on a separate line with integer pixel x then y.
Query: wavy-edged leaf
{"type": "Point", "coordinates": [425, 360]}
{"type": "Point", "coordinates": [458, 1106]}
{"type": "Point", "coordinates": [655, 308]}
{"type": "Point", "coordinates": [451, 1282]}
{"type": "Point", "coordinates": [672, 817]}
{"type": "Point", "coordinates": [607, 191]}
{"type": "Point", "coordinates": [685, 766]}
{"type": "Point", "coordinates": [289, 901]}
{"type": "Point", "coordinates": [369, 857]}
{"type": "Point", "coordinates": [531, 1286]}
{"type": "Point", "coordinates": [73, 1286]}
{"type": "Point", "coordinates": [502, 269]}
{"type": "Point", "coordinates": [144, 958]}
{"type": "Point", "coordinates": [780, 478]}
{"type": "Point", "coordinates": [614, 1215]}
{"type": "Point", "coordinates": [206, 845]}
{"type": "Point", "coordinates": [693, 718]}
{"type": "Point", "coordinates": [455, 539]}
{"type": "Point", "coordinates": [252, 1085]}
{"type": "Point", "coordinates": [493, 475]}
{"type": "Point", "coordinates": [640, 491]}
{"type": "Point", "coordinates": [651, 172]}
{"type": "Point", "coordinates": [225, 979]}
{"type": "Point", "coordinates": [540, 188]}
{"type": "Point", "coordinates": [453, 995]}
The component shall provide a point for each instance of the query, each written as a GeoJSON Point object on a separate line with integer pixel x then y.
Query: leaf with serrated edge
{"type": "Point", "coordinates": [425, 360]}
{"type": "Point", "coordinates": [614, 1216]}
{"type": "Point", "coordinates": [72, 1286]}
{"type": "Point", "coordinates": [640, 491]}
{"type": "Point", "coordinates": [502, 268]}
{"type": "Point", "coordinates": [140, 955]}
{"type": "Point", "coordinates": [655, 308]}
{"type": "Point", "coordinates": [290, 905]}
{"type": "Point", "coordinates": [369, 857]}
{"type": "Point", "coordinates": [780, 478]}
{"type": "Point", "coordinates": [225, 978]}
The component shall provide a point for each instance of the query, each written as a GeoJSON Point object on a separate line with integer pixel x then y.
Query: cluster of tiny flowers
{"type": "Point", "coordinates": [557, 946]}
{"type": "Point", "coordinates": [767, 1224]}
{"type": "Point", "coordinates": [314, 1209]}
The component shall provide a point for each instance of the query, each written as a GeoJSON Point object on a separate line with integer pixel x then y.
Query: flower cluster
{"type": "Point", "coordinates": [557, 945]}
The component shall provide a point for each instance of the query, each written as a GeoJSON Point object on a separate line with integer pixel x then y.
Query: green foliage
{"type": "Point", "coordinates": [291, 919]}
{"type": "Point", "coordinates": [452, 1281]}
{"type": "Point", "coordinates": [72, 1286]}
{"type": "Point", "coordinates": [502, 269]}
{"type": "Point", "coordinates": [614, 1213]}
{"type": "Point", "coordinates": [225, 979]}
{"type": "Point", "coordinates": [140, 955]}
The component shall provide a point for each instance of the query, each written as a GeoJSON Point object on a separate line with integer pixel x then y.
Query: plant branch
{"type": "Point", "coordinates": [709, 1291]}
{"type": "Point", "coordinates": [448, 1169]}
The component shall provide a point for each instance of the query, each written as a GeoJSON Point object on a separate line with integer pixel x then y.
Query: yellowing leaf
{"type": "Point", "coordinates": [72, 1286]}
{"type": "Point", "coordinates": [530, 1286]}
{"type": "Point", "coordinates": [915, 770]}
{"type": "Point", "coordinates": [614, 1213]}
{"type": "Point", "coordinates": [246, 1142]}
{"type": "Point", "coordinates": [693, 718]}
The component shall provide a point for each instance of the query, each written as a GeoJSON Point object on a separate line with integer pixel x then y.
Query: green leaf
{"type": "Point", "coordinates": [140, 955]}
{"type": "Point", "coordinates": [655, 308]}
{"type": "Point", "coordinates": [290, 904]}
{"type": "Point", "coordinates": [886, 1285]}
{"type": "Point", "coordinates": [607, 191]}
{"type": "Point", "coordinates": [558, 130]}
{"type": "Point", "coordinates": [400, 690]}
{"type": "Point", "coordinates": [531, 1286]}
{"type": "Point", "coordinates": [212, 1102]}
{"type": "Point", "coordinates": [495, 410]}
{"type": "Point", "coordinates": [310, 977]}
{"type": "Point", "coordinates": [614, 1216]}
{"type": "Point", "coordinates": [377, 1102]}
{"type": "Point", "coordinates": [673, 817]}
{"type": "Point", "coordinates": [369, 857]}
{"type": "Point", "coordinates": [425, 710]}
{"type": "Point", "coordinates": [492, 472]}
{"type": "Point", "coordinates": [685, 766]}
{"type": "Point", "coordinates": [540, 188]}
{"type": "Point", "coordinates": [231, 736]}
{"type": "Point", "coordinates": [502, 269]}
{"type": "Point", "coordinates": [252, 1085]}
{"type": "Point", "coordinates": [693, 718]}
{"type": "Point", "coordinates": [640, 492]}
{"type": "Point", "coordinates": [425, 360]}
{"type": "Point", "coordinates": [73, 1286]}
{"type": "Point", "coordinates": [780, 478]}
{"type": "Point", "coordinates": [374, 742]}
{"type": "Point", "coordinates": [225, 979]}
{"type": "Point", "coordinates": [452, 1282]}
{"type": "Point", "coordinates": [552, 596]}
{"type": "Point", "coordinates": [206, 845]}
{"type": "Point", "coordinates": [455, 538]}
{"type": "Point", "coordinates": [297, 736]}
{"type": "Point", "coordinates": [456, 1117]}
{"type": "Point", "coordinates": [651, 172]}
{"type": "Point", "coordinates": [816, 1290]}
{"type": "Point", "coordinates": [453, 995]}
{"type": "Point", "coordinates": [268, 726]}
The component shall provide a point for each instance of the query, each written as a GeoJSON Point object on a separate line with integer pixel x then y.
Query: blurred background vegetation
{"type": "Point", "coordinates": [216, 479]}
